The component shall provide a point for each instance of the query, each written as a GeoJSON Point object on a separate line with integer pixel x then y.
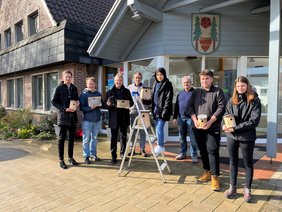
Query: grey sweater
{"type": "Point", "coordinates": [210, 103]}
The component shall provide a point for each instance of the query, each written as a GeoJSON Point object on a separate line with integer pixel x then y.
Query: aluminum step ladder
{"type": "Point", "coordinates": [140, 124]}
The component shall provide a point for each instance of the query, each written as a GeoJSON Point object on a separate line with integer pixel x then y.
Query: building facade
{"type": "Point", "coordinates": [144, 35]}
{"type": "Point", "coordinates": [39, 39]}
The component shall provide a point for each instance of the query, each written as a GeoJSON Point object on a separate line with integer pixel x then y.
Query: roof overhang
{"type": "Point", "coordinates": [128, 21]}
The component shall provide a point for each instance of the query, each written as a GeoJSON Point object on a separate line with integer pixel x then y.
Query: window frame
{"type": "Point", "coordinates": [48, 96]}
{"type": "Point", "coordinates": [31, 17]}
{"type": "Point", "coordinates": [17, 104]}
{"type": "Point", "coordinates": [8, 43]}
{"type": "Point", "coordinates": [35, 97]}
{"type": "Point", "coordinates": [10, 101]}
{"type": "Point", "coordinates": [19, 28]}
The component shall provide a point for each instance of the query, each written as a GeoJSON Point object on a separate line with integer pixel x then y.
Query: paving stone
{"type": "Point", "coordinates": [34, 181]}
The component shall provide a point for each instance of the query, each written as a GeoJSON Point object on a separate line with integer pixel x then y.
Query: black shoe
{"type": "Point", "coordinates": [143, 153]}
{"type": "Point", "coordinates": [63, 165]}
{"type": "Point", "coordinates": [129, 154]}
{"type": "Point", "coordinates": [87, 161]}
{"type": "Point", "coordinates": [114, 161]}
{"type": "Point", "coordinates": [121, 156]}
{"type": "Point", "coordinates": [73, 162]}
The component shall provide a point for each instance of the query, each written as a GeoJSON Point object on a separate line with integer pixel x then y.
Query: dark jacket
{"type": "Point", "coordinates": [210, 103]}
{"type": "Point", "coordinates": [165, 95]}
{"type": "Point", "coordinates": [182, 103]}
{"type": "Point", "coordinates": [118, 116]}
{"type": "Point", "coordinates": [247, 117]}
{"type": "Point", "coordinates": [61, 101]}
{"type": "Point", "coordinates": [92, 115]}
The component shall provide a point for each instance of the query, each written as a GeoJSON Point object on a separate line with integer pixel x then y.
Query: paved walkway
{"type": "Point", "coordinates": [31, 180]}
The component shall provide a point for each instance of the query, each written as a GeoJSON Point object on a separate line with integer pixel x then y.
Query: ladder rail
{"type": "Point", "coordinates": [145, 128]}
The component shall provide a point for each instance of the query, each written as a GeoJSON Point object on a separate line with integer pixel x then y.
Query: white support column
{"type": "Point", "coordinates": [125, 73]}
{"type": "Point", "coordinates": [273, 78]}
{"type": "Point", "coordinates": [203, 63]}
{"type": "Point", "coordinates": [242, 65]}
{"type": "Point", "coordinates": [163, 61]}
{"type": "Point", "coordinates": [100, 78]}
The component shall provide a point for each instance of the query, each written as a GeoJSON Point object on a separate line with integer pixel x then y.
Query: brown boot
{"type": "Point", "coordinates": [205, 176]}
{"type": "Point", "coordinates": [215, 183]}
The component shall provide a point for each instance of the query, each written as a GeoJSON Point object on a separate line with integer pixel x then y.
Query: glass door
{"type": "Point", "coordinates": [224, 69]}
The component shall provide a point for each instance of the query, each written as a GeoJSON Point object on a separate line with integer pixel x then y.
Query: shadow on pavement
{"type": "Point", "coordinates": [11, 153]}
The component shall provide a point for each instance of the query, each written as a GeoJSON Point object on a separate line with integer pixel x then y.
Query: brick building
{"type": "Point", "coordinates": [38, 40]}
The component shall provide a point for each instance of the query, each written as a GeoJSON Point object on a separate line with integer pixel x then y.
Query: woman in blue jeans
{"type": "Point", "coordinates": [162, 95]}
{"type": "Point", "coordinates": [245, 106]}
{"type": "Point", "coordinates": [91, 120]}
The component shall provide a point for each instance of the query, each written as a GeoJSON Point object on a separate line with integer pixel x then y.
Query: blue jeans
{"type": "Point", "coordinates": [141, 133]}
{"type": "Point", "coordinates": [160, 131]}
{"type": "Point", "coordinates": [89, 139]}
{"type": "Point", "coordinates": [185, 126]}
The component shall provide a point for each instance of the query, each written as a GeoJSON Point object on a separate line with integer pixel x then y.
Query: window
{"type": "Point", "coordinates": [19, 31]}
{"type": "Point", "coordinates": [52, 82]}
{"type": "Point", "coordinates": [37, 91]}
{"type": "Point", "coordinates": [19, 93]}
{"type": "Point", "coordinates": [8, 41]}
{"type": "Point", "coordinates": [11, 93]}
{"type": "Point", "coordinates": [33, 23]}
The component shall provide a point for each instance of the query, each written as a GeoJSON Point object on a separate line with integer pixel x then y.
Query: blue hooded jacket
{"type": "Point", "coordinates": [92, 115]}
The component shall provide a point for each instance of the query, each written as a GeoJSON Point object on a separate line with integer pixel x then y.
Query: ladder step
{"type": "Point", "coordinates": [163, 166]}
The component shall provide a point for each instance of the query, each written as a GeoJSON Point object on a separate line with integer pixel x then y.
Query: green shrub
{"type": "Point", "coordinates": [2, 112]}
{"type": "Point", "coordinates": [45, 124]}
{"type": "Point", "coordinates": [17, 124]}
{"type": "Point", "coordinates": [19, 118]}
{"type": "Point", "coordinates": [24, 133]}
{"type": "Point", "coordinates": [46, 128]}
{"type": "Point", "coordinates": [45, 136]}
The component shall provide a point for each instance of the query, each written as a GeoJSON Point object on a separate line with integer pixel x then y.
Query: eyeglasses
{"type": "Point", "coordinates": [186, 82]}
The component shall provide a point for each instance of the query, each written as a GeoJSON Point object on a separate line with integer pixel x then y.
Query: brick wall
{"type": "Point", "coordinates": [80, 73]}
{"type": "Point", "coordinates": [13, 11]}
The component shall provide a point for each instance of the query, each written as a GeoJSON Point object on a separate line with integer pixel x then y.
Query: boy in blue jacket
{"type": "Point", "coordinates": [92, 119]}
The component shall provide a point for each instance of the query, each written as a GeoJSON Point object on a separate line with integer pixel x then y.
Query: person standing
{"type": "Point", "coordinates": [184, 120]}
{"type": "Point", "coordinates": [64, 93]}
{"type": "Point", "coordinates": [208, 101]}
{"type": "Point", "coordinates": [135, 89]}
{"type": "Point", "coordinates": [162, 95]}
{"type": "Point", "coordinates": [245, 106]}
{"type": "Point", "coordinates": [91, 120]}
{"type": "Point", "coordinates": [119, 119]}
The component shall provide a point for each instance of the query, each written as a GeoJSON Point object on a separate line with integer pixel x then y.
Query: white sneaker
{"type": "Point", "coordinates": [159, 149]}
{"type": "Point", "coordinates": [153, 139]}
{"type": "Point", "coordinates": [194, 159]}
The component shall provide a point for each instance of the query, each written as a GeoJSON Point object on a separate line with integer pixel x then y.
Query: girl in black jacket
{"type": "Point", "coordinates": [245, 106]}
{"type": "Point", "coordinates": [161, 105]}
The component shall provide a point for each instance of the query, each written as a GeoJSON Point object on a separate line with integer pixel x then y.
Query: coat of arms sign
{"type": "Point", "coordinates": [205, 32]}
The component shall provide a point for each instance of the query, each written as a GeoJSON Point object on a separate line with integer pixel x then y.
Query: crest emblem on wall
{"type": "Point", "coordinates": [205, 32]}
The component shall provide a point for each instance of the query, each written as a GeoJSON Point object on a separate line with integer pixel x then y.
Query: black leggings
{"type": "Point", "coordinates": [247, 149]}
